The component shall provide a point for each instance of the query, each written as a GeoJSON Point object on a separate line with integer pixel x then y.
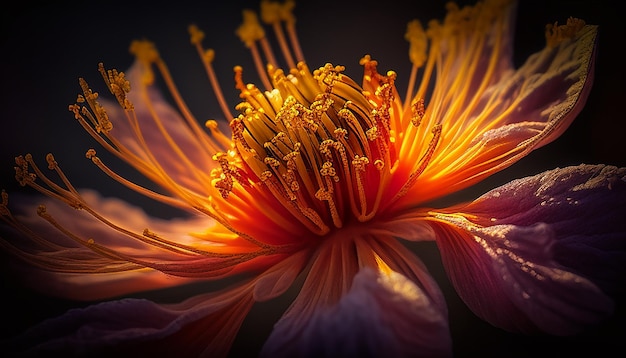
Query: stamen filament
{"type": "Point", "coordinates": [260, 68]}
{"type": "Point", "coordinates": [202, 136]}
{"type": "Point", "coordinates": [207, 59]}
{"type": "Point", "coordinates": [267, 51]}
{"type": "Point", "coordinates": [282, 42]}
{"type": "Point", "coordinates": [293, 38]}
{"type": "Point", "coordinates": [91, 154]}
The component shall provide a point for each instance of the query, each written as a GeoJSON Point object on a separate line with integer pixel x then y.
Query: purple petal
{"type": "Point", "coordinates": [205, 324]}
{"type": "Point", "coordinates": [364, 297]}
{"type": "Point", "coordinates": [507, 252]}
{"type": "Point", "coordinates": [381, 315]}
{"type": "Point", "coordinates": [584, 206]}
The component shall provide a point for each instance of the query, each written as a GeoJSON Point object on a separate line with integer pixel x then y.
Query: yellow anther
{"type": "Point", "coordinates": [340, 133]}
{"type": "Point", "coordinates": [379, 164]}
{"type": "Point", "coordinates": [118, 85]}
{"type": "Point", "coordinates": [327, 169]}
{"type": "Point", "coordinates": [22, 174]}
{"type": "Point", "coordinates": [273, 162]}
{"type": "Point", "coordinates": [52, 163]}
{"type": "Point", "coordinates": [208, 56]}
{"type": "Point", "coordinates": [372, 133]}
{"type": "Point", "coordinates": [146, 53]}
{"type": "Point", "coordinates": [211, 124]}
{"type": "Point", "coordinates": [555, 33]}
{"type": "Point", "coordinates": [250, 30]}
{"type": "Point", "coordinates": [285, 12]}
{"type": "Point", "coordinates": [325, 145]}
{"type": "Point", "coordinates": [265, 175]}
{"type": "Point", "coordinates": [323, 194]}
{"type": "Point", "coordinates": [359, 163]}
{"type": "Point", "coordinates": [270, 11]}
{"type": "Point", "coordinates": [196, 35]}
{"type": "Point", "coordinates": [290, 157]}
{"type": "Point", "coordinates": [418, 42]}
{"type": "Point", "coordinates": [417, 111]}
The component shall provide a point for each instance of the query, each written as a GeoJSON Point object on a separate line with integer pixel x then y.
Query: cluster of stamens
{"type": "Point", "coordinates": [312, 142]}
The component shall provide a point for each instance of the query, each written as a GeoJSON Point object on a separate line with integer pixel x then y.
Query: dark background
{"type": "Point", "coordinates": [45, 48]}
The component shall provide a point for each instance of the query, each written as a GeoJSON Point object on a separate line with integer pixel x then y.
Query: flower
{"type": "Point", "coordinates": [322, 176]}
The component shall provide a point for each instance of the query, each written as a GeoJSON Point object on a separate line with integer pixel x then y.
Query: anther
{"type": "Point", "coordinates": [417, 111]}
{"type": "Point", "coordinates": [555, 33]}
{"type": "Point", "coordinates": [196, 35]}
{"type": "Point", "coordinates": [52, 164]}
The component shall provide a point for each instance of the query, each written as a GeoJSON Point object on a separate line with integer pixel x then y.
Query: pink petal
{"type": "Point", "coordinates": [277, 279]}
{"type": "Point", "coordinates": [68, 255]}
{"type": "Point", "coordinates": [76, 271]}
{"type": "Point", "coordinates": [380, 314]}
{"type": "Point", "coordinates": [204, 325]}
{"type": "Point", "coordinates": [145, 98]}
{"type": "Point", "coordinates": [508, 252]}
{"type": "Point", "coordinates": [405, 226]}
{"type": "Point", "coordinates": [583, 205]}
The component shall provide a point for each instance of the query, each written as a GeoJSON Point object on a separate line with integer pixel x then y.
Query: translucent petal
{"type": "Point", "coordinates": [381, 315]}
{"type": "Point", "coordinates": [78, 270]}
{"type": "Point", "coordinates": [518, 111]}
{"type": "Point", "coordinates": [156, 119]}
{"type": "Point", "coordinates": [204, 325]}
{"type": "Point", "coordinates": [519, 256]}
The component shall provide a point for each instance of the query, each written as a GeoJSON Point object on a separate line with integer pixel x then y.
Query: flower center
{"type": "Point", "coordinates": [317, 141]}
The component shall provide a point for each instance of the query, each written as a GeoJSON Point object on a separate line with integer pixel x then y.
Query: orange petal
{"type": "Point", "coordinates": [499, 124]}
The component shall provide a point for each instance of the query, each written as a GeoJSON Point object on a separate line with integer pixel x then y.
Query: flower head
{"type": "Point", "coordinates": [319, 175]}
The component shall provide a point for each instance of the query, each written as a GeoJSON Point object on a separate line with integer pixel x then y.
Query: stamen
{"type": "Point", "coordinates": [74, 199]}
{"type": "Point", "coordinates": [207, 57]}
{"type": "Point", "coordinates": [91, 155]}
{"type": "Point", "coordinates": [272, 13]}
{"type": "Point", "coordinates": [418, 43]}
{"type": "Point", "coordinates": [423, 163]}
{"type": "Point", "coordinates": [7, 217]}
{"type": "Point", "coordinates": [249, 32]}
{"type": "Point", "coordinates": [290, 25]}
{"type": "Point", "coordinates": [417, 111]}
{"type": "Point", "coordinates": [359, 164]}
{"type": "Point", "coordinates": [555, 33]}
{"type": "Point", "coordinates": [147, 54]}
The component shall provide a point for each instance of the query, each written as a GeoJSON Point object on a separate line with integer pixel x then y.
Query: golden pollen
{"type": "Point", "coordinates": [316, 141]}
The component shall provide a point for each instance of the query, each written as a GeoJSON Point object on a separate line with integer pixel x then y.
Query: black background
{"type": "Point", "coordinates": [45, 48]}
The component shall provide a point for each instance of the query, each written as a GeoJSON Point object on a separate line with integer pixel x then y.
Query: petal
{"type": "Point", "coordinates": [507, 253]}
{"type": "Point", "coordinates": [485, 129]}
{"type": "Point", "coordinates": [381, 315]}
{"type": "Point", "coordinates": [161, 132]}
{"type": "Point", "coordinates": [277, 279]}
{"type": "Point", "coordinates": [204, 325]}
{"type": "Point", "coordinates": [582, 204]}
{"type": "Point", "coordinates": [382, 312]}
{"type": "Point", "coordinates": [405, 226]}
{"type": "Point", "coordinates": [78, 271]}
